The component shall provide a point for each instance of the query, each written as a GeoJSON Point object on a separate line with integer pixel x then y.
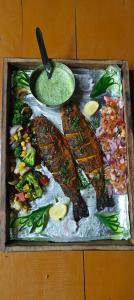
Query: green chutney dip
{"type": "Point", "coordinates": [56, 90]}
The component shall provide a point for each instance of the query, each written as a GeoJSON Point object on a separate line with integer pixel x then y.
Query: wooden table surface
{"type": "Point", "coordinates": [72, 29]}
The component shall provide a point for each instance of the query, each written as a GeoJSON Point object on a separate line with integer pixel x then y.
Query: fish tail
{"type": "Point", "coordinates": [104, 201]}
{"type": "Point", "coordinates": [80, 209]}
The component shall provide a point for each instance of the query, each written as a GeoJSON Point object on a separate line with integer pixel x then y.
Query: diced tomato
{"type": "Point", "coordinates": [21, 197]}
{"type": "Point", "coordinates": [44, 180]}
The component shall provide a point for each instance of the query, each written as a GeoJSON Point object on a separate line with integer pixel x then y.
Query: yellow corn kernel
{"type": "Point", "coordinates": [24, 148]}
{"type": "Point", "coordinates": [25, 135]}
{"type": "Point", "coordinates": [27, 195]}
{"type": "Point", "coordinates": [26, 188]}
{"type": "Point", "coordinates": [23, 154]}
{"type": "Point", "coordinates": [23, 144]}
{"type": "Point", "coordinates": [27, 139]}
{"type": "Point", "coordinates": [12, 138]}
{"type": "Point", "coordinates": [15, 136]}
{"type": "Point", "coordinates": [21, 166]}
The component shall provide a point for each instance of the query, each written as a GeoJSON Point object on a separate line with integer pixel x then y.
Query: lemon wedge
{"type": "Point", "coordinates": [58, 211]}
{"type": "Point", "coordinates": [90, 108]}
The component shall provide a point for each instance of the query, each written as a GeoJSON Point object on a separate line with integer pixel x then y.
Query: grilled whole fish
{"type": "Point", "coordinates": [56, 155]}
{"type": "Point", "coordinates": [86, 150]}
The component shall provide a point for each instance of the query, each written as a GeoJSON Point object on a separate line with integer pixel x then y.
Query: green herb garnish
{"type": "Point", "coordinates": [55, 142]}
{"type": "Point", "coordinates": [81, 138]}
{"type": "Point", "coordinates": [83, 181]}
{"type": "Point", "coordinates": [64, 167]}
{"type": "Point", "coordinates": [82, 150]}
{"type": "Point", "coordinates": [76, 121]}
{"type": "Point", "coordinates": [52, 130]}
{"type": "Point", "coordinates": [44, 130]}
{"type": "Point", "coordinates": [68, 110]}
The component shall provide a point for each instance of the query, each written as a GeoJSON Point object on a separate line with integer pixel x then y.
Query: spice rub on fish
{"type": "Point", "coordinates": [86, 150]}
{"type": "Point", "coordinates": [56, 155]}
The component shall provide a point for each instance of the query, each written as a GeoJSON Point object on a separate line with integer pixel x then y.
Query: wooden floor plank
{"type": "Point", "coordinates": [41, 276]}
{"type": "Point", "coordinates": [104, 29]}
{"type": "Point", "coordinates": [109, 275]}
{"type": "Point", "coordinates": [56, 19]}
{"type": "Point", "coordinates": [10, 28]}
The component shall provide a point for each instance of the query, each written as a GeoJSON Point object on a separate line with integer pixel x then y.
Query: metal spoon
{"type": "Point", "coordinates": [48, 64]}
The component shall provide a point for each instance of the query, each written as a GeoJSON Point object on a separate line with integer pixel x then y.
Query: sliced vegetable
{"type": "Point", "coordinates": [37, 220]}
{"type": "Point", "coordinates": [35, 190]}
{"type": "Point", "coordinates": [90, 108]}
{"type": "Point", "coordinates": [30, 157]}
{"type": "Point", "coordinates": [58, 211]}
{"type": "Point", "coordinates": [111, 220]}
{"type": "Point", "coordinates": [108, 79]}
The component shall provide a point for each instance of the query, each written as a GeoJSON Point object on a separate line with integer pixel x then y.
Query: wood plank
{"type": "Point", "coordinates": [109, 275]}
{"type": "Point", "coordinates": [56, 19]}
{"type": "Point", "coordinates": [26, 276]}
{"type": "Point", "coordinates": [10, 28]}
{"type": "Point", "coordinates": [104, 29]}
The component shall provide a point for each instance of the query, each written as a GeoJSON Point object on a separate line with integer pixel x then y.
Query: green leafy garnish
{"type": "Point", "coordinates": [107, 80]}
{"type": "Point", "coordinates": [111, 220]}
{"type": "Point", "coordinates": [68, 109]}
{"type": "Point", "coordinates": [76, 121]}
{"type": "Point", "coordinates": [37, 220]}
{"type": "Point", "coordinates": [64, 168]}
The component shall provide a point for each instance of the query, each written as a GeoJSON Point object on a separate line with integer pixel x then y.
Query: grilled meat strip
{"type": "Point", "coordinates": [56, 155]}
{"type": "Point", "coordinates": [86, 151]}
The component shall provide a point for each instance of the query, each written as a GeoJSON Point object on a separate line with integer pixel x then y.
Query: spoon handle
{"type": "Point", "coordinates": [46, 62]}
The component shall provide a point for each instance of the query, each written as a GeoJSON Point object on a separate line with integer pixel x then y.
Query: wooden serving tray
{"type": "Point", "coordinates": [5, 244]}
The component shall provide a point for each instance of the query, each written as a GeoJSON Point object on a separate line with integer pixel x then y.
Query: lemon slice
{"type": "Point", "coordinates": [90, 108]}
{"type": "Point", "coordinates": [58, 211]}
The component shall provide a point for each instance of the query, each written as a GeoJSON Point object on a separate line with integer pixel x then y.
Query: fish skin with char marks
{"type": "Point", "coordinates": [86, 150]}
{"type": "Point", "coordinates": [57, 157]}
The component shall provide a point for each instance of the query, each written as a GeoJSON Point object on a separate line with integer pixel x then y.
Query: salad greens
{"type": "Point", "coordinates": [31, 181]}
{"type": "Point", "coordinates": [21, 113]}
